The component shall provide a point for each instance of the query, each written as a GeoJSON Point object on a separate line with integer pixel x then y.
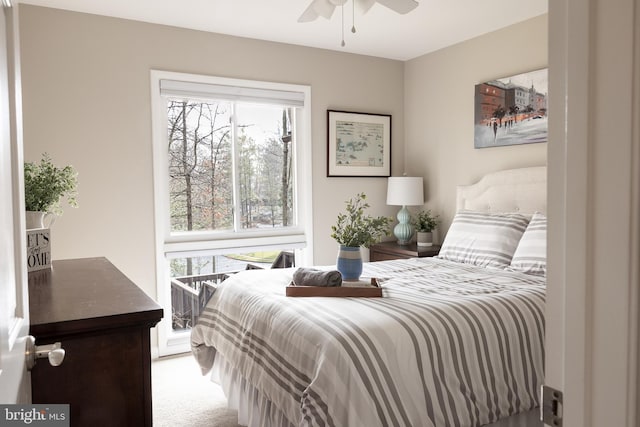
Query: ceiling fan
{"type": "Point", "coordinates": [325, 8]}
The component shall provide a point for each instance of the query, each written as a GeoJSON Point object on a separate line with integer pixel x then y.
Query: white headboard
{"type": "Point", "coordinates": [514, 190]}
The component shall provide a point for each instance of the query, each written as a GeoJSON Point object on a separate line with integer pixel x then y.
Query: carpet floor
{"type": "Point", "coordinates": [183, 397]}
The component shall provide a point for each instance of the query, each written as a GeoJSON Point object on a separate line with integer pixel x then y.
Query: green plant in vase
{"type": "Point", "coordinates": [425, 222]}
{"type": "Point", "coordinates": [353, 230]}
{"type": "Point", "coordinates": [45, 185]}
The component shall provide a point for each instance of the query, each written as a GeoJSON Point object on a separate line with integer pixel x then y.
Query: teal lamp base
{"type": "Point", "coordinates": [403, 230]}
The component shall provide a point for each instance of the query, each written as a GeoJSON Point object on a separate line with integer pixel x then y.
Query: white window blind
{"type": "Point", "coordinates": [194, 90]}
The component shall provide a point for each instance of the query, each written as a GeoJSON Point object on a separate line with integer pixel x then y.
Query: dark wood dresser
{"type": "Point", "coordinates": [392, 250]}
{"type": "Point", "coordinates": [102, 320]}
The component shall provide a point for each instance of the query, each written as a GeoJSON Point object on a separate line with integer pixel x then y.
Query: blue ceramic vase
{"type": "Point", "coordinates": [349, 262]}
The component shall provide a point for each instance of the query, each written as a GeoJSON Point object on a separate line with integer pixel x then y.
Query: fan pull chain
{"type": "Point", "coordinates": [353, 15]}
{"type": "Point", "coordinates": [343, 43]}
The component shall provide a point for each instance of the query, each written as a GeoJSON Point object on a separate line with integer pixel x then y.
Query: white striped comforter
{"type": "Point", "coordinates": [448, 345]}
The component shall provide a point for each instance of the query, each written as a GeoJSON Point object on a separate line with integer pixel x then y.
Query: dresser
{"type": "Point", "coordinates": [102, 320]}
{"type": "Point", "coordinates": [392, 250]}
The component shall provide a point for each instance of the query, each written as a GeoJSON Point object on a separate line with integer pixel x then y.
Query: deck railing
{"type": "Point", "coordinates": [190, 294]}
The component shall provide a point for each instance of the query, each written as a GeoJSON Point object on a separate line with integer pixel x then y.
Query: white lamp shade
{"type": "Point", "coordinates": [405, 191]}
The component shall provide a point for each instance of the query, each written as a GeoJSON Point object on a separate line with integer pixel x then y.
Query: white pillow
{"type": "Point", "coordinates": [531, 254]}
{"type": "Point", "coordinates": [483, 239]}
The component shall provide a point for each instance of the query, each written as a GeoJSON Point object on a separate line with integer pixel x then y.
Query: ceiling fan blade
{"type": "Point", "coordinates": [317, 8]}
{"type": "Point", "coordinates": [400, 6]}
{"type": "Point", "coordinates": [324, 8]}
{"type": "Point", "coordinates": [308, 15]}
{"type": "Point", "coordinates": [337, 2]}
{"type": "Point", "coordinates": [365, 5]}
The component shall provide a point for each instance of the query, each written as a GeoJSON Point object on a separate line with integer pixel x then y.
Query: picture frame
{"type": "Point", "coordinates": [511, 110]}
{"type": "Point", "coordinates": [358, 144]}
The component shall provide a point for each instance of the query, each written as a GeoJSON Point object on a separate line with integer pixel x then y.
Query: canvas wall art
{"type": "Point", "coordinates": [511, 110]}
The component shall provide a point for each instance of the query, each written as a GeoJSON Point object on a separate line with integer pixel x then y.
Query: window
{"type": "Point", "coordinates": [228, 188]}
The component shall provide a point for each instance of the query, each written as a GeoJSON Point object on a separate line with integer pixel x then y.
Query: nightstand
{"type": "Point", "coordinates": [392, 250]}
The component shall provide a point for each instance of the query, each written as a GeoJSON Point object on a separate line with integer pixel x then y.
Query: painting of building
{"type": "Point", "coordinates": [511, 110]}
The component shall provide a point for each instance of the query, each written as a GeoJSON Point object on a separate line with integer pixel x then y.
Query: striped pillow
{"type": "Point", "coordinates": [483, 239]}
{"type": "Point", "coordinates": [531, 254]}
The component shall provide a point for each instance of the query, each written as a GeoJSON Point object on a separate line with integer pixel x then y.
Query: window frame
{"type": "Point", "coordinates": [170, 244]}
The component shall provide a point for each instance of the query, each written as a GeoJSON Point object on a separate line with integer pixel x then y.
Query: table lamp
{"type": "Point", "coordinates": [404, 191]}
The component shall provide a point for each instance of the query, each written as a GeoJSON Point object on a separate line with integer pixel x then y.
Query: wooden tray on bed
{"type": "Point", "coordinates": [360, 288]}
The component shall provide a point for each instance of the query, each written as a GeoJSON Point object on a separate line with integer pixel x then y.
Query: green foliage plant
{"type": "Point", "coordinates": [424, 221]}
{"type": "Point", "coordinates": [356, 229]}
{"type": "Point", "coordinates": [45, 185]}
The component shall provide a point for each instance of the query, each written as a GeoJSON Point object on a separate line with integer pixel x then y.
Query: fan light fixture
{"type": "Point", "coordinates": [325, 9]}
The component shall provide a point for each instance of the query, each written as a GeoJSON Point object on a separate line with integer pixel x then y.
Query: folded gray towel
{"type": "Point", "coordinates": [314, 277]}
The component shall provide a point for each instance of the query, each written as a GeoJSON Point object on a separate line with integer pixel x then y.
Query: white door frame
{"type": "Point", "coordinates": [594, 216]}
{"type": "Point", "coordinates": [14, 297]}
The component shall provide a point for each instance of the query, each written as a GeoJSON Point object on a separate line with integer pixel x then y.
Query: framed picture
{"type": "Point", "coordinates": [358, 144]}
{"type": "Point", "coordinates": [511, 110]}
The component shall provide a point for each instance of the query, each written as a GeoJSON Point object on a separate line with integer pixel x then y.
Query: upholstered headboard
{"type": "Point", "coordinates": [514, 190]}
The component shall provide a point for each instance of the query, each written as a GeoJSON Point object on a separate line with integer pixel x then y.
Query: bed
{"type": "Point", "coordinates": [456, 340]}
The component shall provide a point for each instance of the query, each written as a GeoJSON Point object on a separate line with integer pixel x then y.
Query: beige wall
{"type": "Point", "coordinates": [439, 110]}
{"type": "Point", "coordinates": [87, 103]}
